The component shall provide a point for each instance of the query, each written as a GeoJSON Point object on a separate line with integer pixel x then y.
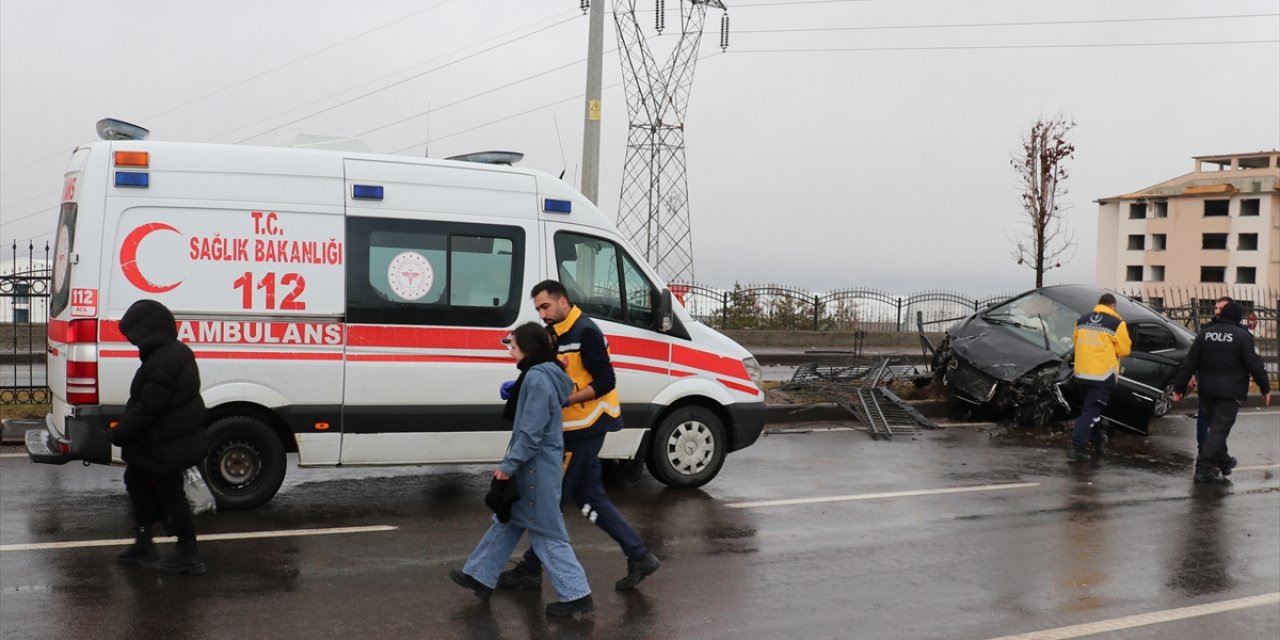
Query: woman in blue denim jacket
{"type": "Point", "coordinates": [535, 462]}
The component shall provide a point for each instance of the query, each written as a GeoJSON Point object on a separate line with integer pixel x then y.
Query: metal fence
{"type": "Point", "coordinates": [790, 308]}
{"type": "Point", "coordinates": [24, 311]}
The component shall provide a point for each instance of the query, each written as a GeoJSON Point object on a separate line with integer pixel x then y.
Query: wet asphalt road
{"type": "Point", "coordinates": [1045, 545]}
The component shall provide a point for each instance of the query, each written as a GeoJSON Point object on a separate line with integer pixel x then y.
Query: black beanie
{"type": "Point", "coordinates": [1232, 312]}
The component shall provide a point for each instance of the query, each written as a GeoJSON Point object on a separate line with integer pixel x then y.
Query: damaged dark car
{"type": "Point", "coordinates": [1014, 359]}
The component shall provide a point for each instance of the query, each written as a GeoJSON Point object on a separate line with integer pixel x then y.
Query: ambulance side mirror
{"type": "Point", "coordinates": [664, 314]}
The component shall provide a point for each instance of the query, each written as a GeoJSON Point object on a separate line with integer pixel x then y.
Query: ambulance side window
{"type": "Point", "coordinates": [603, 280]}
{"type": "Point", "coordinates": [436, 273]}
{"type": "Point", "coordinates": [64, 245]}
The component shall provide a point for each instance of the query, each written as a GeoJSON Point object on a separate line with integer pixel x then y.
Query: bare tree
{"type": "Point", "coordinates": [1042, 175]}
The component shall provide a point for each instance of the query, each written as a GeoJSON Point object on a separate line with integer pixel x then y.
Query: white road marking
{"type": "Point", "coordinates": [891, 494]}
{"type": "Point", "coordinates": [1129, 622]}
{"type": "Point", "coordinates": [13, 455]}
{"type": "Point", "coordinates": [1257, 467]}
{"type": "Point", "coordinates": [120, 542]}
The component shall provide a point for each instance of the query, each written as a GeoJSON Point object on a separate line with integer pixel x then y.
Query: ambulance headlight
{"type": "Point", "coordinates": [754, 370]}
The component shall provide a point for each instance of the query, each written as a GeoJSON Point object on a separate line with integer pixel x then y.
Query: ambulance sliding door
{"type": "Point", "coordinates": [435, 280]}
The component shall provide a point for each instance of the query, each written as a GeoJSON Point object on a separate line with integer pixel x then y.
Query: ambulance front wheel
{"type": "Point", "coordinates": [688, 448]}
{"type": "Point", "coordinates": [245, 463]}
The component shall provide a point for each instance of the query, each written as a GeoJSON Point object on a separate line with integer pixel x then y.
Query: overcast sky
{"type": "Point", "coordinates": [836, 144]}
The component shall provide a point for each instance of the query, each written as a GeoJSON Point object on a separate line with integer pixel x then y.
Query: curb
{"type": "Point", "coordinates": [14, 430]}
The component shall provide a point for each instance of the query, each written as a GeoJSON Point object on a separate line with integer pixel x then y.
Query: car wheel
{"type": "Point", "coordinates": [1164, 404]}
{"type": "Point", "coordinates": [245, 463]}
{"type": "Point", "coordinates": [688, 448]}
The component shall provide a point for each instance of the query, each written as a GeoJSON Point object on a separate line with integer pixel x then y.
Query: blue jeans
{"type": "Point", "coordinates": [1091, 406]}
{"type": "Point", "coordinates": [494, 550]}
{"type": "Point", "coordinates": [584, 487]}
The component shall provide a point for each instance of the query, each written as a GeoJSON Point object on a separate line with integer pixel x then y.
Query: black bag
{"type": "Point", "coordinates": [502, 494]}
{"type": "Point", "coordinates": [89, 441]}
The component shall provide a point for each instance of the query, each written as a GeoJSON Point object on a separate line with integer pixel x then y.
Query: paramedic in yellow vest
{"type": "Point", "coordinates": [1101, 339]}
{"type": "Point", "coordinates": [591, 412]}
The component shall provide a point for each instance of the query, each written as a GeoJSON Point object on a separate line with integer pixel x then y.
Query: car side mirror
{"type": "Point", "coordinates": [664, 316]}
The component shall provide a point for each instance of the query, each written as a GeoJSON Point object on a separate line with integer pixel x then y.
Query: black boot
{"type": "Point", "coordinates": [142, 551]}
{"type": "Point", "coordinates": [467, 582]}
{"type": "Point", "coordinates": [637, 570]}
{"type": "Point", "coordinates": [567, 609]}
{"type": "Point", "coordinates": [521, 578]}
{"type": "Point", "coordinates": [1229, 465]}
{"type": "Point", "coordinates": [185, 561]}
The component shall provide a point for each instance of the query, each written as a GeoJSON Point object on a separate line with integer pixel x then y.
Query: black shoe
{"type": "Point", "coordinates": [1209, 476]}
{"type": "Point", "coordinates": [567, 609]}
{"type": "Point", "coordinates": [1100, 445]}
{"type": "Point", "coordinates": [140, 552]}
{"type": "Point", "coordinates": [637, 571]}
{"type": "Point", "coordinates": [184, 562]}
{"type": "Point", "coordinates": [521, 578]}
{"type": "Point", "coordinates": [467, 582]}
{"type": "Point", "coordinates": [1077, 455]}
{"type": "Point", "coordinates": [1229, 466]}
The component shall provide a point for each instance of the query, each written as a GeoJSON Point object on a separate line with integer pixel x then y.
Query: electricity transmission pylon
{"type": "Point", "coordinates": [653, 210]}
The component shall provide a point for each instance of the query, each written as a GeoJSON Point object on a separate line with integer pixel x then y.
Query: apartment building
{"type": "Point", "coordinates": [1215, 228]}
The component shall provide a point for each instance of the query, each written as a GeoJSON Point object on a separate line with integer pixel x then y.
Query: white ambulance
{"type": "Point", "coordinates": [350, 307]}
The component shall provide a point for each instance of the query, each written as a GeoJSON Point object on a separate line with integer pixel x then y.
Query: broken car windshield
{"type": "Point", "coordinates": [1038, 319]}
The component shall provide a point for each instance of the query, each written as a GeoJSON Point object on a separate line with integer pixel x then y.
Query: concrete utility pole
{"type": "Point", "coordinates": [591, 126]}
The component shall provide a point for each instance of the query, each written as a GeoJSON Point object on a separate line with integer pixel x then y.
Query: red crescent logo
{"type": "Point", "coordinates": [129, 258]}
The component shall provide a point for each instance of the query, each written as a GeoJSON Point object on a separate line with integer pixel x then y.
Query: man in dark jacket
{"type": "Point", "coordinates": [161, 434]}
{"type": "Point", "coordinates": [1222, 358]}
{"type": "Point", "coordinates": [592, 411]}
{"type": "Point", "coordinates": [1202, 415]}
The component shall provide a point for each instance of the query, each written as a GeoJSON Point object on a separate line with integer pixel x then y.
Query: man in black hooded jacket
{"type": "Point", "coordinates": [161, 434]}
{"type": "Point", "coordinates": [1222, 358]}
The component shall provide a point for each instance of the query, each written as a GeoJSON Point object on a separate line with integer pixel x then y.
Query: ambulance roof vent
{"type": "Point", "coordinates": [112, 129]}
{"type": "Point", "coordinates": [325, 141]}
{"type": "Point", "coordinates": [491, 157]}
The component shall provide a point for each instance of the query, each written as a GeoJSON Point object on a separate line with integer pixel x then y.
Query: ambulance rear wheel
{"type": "Point", "coordinates": [688, 448]}
{"type": "Point", "coordinates": [245, 463]}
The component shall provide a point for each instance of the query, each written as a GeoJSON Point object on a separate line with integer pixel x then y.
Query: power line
{"type": "Point", "coordinates": [1010, 46]}
{"type": "Point", "coordinates": [29, 215]}
{"type": "Point", "coordinates": [43, 195]}
{"type": "Point", "coordinates": [1011, 24]}
{"type": "Point", "coordinates": [255, 77]}
{"type": "Point", "coordinates": [301, 58]}
{"type": "Point", "coordinates": [378, 79]}
{"type": "Point", "coordinates": [479, 95]}
{"type": "Point", "coordinates": [525, 112]}
{"type": "Point", "coordinates": [791, 3]}
{"type": "Point", "coordinates": [413, 77]}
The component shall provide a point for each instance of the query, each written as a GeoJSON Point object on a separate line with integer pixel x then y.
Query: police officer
{"type": "Point", "coordinates": [1222, 358]}
{"type": "Point", "coordinates": [592, 411]}
{"type": "Point", "coordinates": [1202, 412]}
{"type": "Point", "coordinates": [1101, 338]}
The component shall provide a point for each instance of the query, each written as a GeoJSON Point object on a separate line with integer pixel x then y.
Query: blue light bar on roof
{"type": "Point", "coordinates": [133, 179]}
{"type": "Point", "coordinates": [366, 192]}
{"type": "Point", "coordinates": [557, 206]}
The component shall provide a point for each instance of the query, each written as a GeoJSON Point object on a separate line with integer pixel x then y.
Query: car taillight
{"type": "Point", "coordinates": [82, 362]}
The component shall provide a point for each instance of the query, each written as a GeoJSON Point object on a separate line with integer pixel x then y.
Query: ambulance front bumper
{"type": "Point", "coordinates": [748, 423]}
